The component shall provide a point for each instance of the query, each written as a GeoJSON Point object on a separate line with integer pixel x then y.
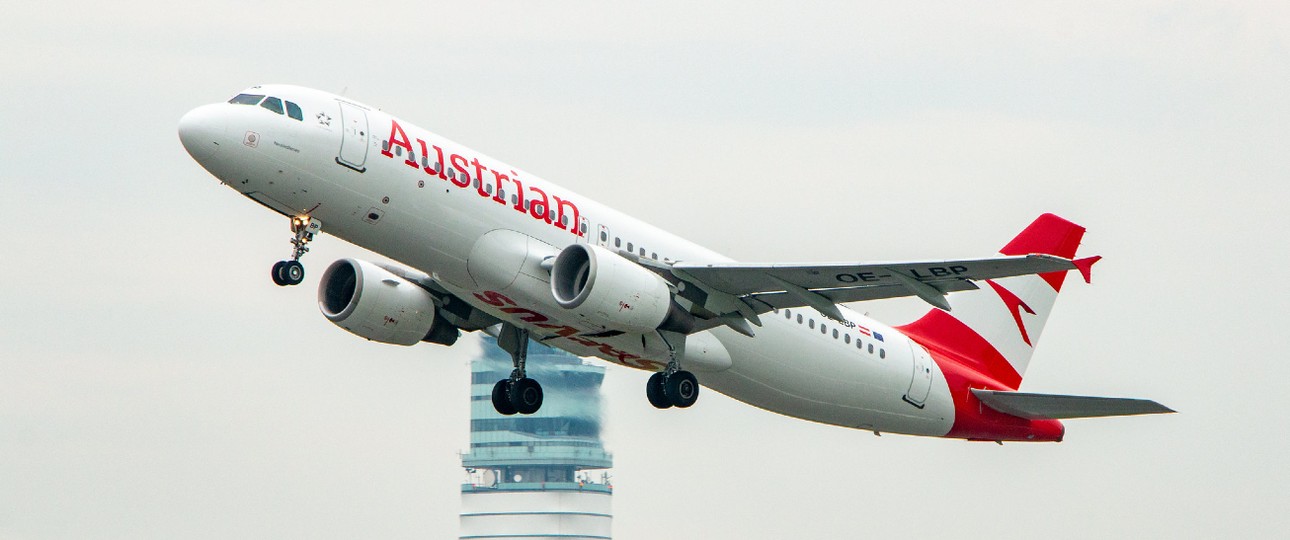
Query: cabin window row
{"type": "Point", "coordinates": [631, 248]}
{"type": "Point", "coordinates": [826, 330]}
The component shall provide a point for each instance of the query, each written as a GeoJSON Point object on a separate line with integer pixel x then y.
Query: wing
{"type": "Point", "coordinates": [729, 293]}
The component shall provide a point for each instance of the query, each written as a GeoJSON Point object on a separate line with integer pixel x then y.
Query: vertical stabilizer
{"type": "Point", "coordinates": [994, 330]}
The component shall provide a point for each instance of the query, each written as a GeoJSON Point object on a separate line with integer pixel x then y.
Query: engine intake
{"type": "Point", "coordinates": [605, 289]}
{"type": "Point", "coordinates": [373, 303]}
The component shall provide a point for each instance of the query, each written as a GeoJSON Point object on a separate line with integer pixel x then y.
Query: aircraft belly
{"type": "Point", "coordinates": [813, 377]}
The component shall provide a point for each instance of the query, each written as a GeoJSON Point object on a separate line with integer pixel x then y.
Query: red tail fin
{"type": "Point", "coordinates": [993, 331]}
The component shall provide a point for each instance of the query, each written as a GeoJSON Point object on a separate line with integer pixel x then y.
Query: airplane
{"type": "Point", "coordinates": [487, 247]}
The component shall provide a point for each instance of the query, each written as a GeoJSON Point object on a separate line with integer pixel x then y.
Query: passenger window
{"type": "Point", "coordinates": [273, 104]}
{"type": "Point", "coordinates": [846, 339]}
{"type": "Point", "coordinates": [604, 236]}
{"type": "Point", "coordinates": [870, 348]}
{"type": "Point", "coordinates": [582, 227]}
{"type": "Point", "coordinates": [618, 242]}
{"type": "Point", "coordinates": [788, 313]}
{"type": "Point", "coordinates": [642, 252]}
{"type": "Point", "coordinates": [293, 111]}
{"type": "Point", "coordinates": [246, 99]}
{"type": "Point", "coordinates": [629, 247]}
{"type": "Point", "coordinates": [812, 324]}
{"type": "Point", "coordinates": [799, 318]}
{"type": "Point", "coordinates": [835, 333]}
{"type": "Point", "coordinates": [882, 353]}
{"type": "Point", "coordinates": [859, 344]}
{"type": "Point", "coordinates": [653, 256]}
{"type": "Point", "coordinates": [823, 329]}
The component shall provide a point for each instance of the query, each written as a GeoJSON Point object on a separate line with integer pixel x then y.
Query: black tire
{"type": "Point", "coordinates": [682, 389]}
{"type": "Point", "coordinates": [276, 274]}
{"type": "Point", "coordinates": [293, 272]}
{"type": "Point", "coordinates": [502, 398]}
{"type": "Point", "coordinates": [654, 392]}
{"type": "Point", "coordinates": [526, 396]}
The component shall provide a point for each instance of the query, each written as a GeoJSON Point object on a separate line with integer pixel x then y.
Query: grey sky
{"type": "Point", "coordinates": [154, 383]}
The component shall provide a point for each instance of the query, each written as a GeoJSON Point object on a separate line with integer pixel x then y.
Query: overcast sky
{"type": "Point", "coordinates": [155, 384]}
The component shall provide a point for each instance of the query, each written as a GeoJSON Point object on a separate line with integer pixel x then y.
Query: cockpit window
{"type": "Point", "coordinates": [273, 104]}
{"type": "Point", "coordinates": [293, 111]}
{"type": "Point", "coordinates": [246, 99]}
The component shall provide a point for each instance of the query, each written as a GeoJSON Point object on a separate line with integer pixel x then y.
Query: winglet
{"type": "Point", "coordinates": [1085, 267]}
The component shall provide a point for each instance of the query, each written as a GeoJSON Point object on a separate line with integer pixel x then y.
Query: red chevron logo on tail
{"type": "Point", "coordinates": [1015, 305]}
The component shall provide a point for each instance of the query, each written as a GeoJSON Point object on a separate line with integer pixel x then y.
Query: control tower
{"type": "Point", "coordinates": [542, 475]}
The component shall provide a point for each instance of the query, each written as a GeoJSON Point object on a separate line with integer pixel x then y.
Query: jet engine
{"type": "Point", "coordinates": [607, 290]}
{"type": "Point", "coordinates": [373, 303]}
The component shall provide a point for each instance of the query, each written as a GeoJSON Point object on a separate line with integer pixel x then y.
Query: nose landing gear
{"type": "Point", "coordinates": [291, 272]}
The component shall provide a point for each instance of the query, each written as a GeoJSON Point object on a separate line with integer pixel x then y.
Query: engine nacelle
{"type": "Point", "coordinates": [373, 303]}
{"type": "Point", "coordinates": [605, 289]}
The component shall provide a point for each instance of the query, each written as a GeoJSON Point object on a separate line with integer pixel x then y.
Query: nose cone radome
{"type": "Point", "coordinates": [202, 130]}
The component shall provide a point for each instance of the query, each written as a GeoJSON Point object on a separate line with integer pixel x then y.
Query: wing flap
{"type": "Point", "coordinates": [1055, 406]}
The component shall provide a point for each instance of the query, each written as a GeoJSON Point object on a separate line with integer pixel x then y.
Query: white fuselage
{"type": "Point", "coordinates": [346, 165]}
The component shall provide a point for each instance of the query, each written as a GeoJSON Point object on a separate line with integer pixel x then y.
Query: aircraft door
{"type": "Point", "coordinates": [920, 383]}
{"type": "Point", "coordinates": [353, 139]}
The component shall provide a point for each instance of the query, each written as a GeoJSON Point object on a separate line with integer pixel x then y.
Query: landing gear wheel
{"type": "Point", "coordinates": [502, 398]}
{"type": "Point", "coordinates": [526, 396]}
{"type": "Point", "coordinates": [682, 389]}
{"type": "Point", "coordinates": [292, 272]}
{"type": "Point", "coordinates": [654, 391]}
{"type": "Point", "coordinates": [276, 274]}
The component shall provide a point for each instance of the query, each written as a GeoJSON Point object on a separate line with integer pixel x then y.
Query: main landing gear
{"type": "Point", "coordinates": [291, 272]}
{"type": "Point", "coordinates": [672, 387]}
{"type": "Point", "coordinates": [518, 394]}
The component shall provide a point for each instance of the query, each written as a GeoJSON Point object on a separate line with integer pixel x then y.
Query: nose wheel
{"type": "Point", "coordinates": [291, 272]}
{"type": "Point", "coordinates": [288, 273]}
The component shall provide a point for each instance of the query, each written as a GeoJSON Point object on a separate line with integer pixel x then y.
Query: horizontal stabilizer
{"type": "Point", "coordinates": [1052, 406]}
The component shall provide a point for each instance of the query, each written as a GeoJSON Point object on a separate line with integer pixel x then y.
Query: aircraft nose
{"type": "Point", "coordinates": [201, 131]}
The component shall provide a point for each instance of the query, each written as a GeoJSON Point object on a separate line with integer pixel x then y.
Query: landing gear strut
{"type": "Point", "coordinates": [672, 387]}
{"type": "Point", "coordinates": [518, 394]}
{"type": "Point", "coordinates": [291, 272]}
